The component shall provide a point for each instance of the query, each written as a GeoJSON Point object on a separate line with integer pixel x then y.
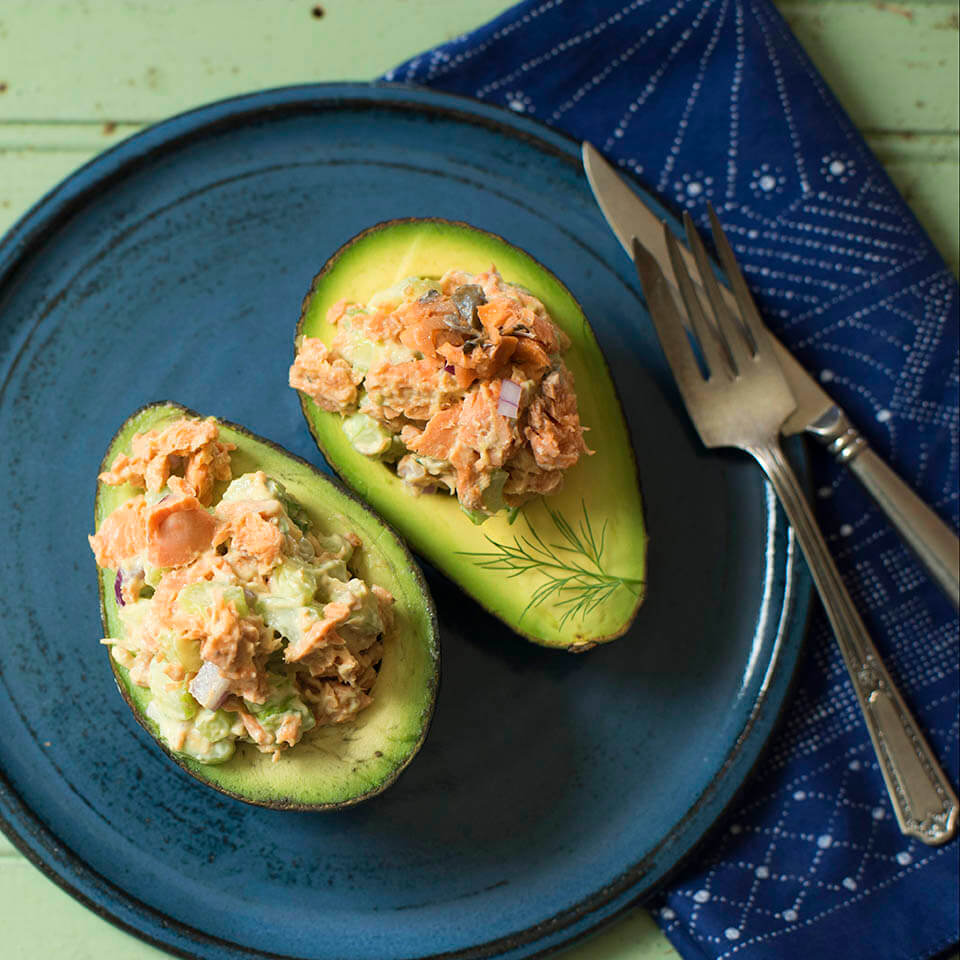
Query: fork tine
{"type": "Point", "coordinates": [714, 350]}
{"type": "Point", "coordinates": [729, 328]}
{"type": "Point", "coordinates": [748, 309]}
{"type": "Point", "coordinates": [667, 321]}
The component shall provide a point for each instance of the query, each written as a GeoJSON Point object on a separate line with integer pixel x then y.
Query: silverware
{"type": "Point", "coordinates": [742, 400]}
{"type": "Point", "coordinates": [932, 540]}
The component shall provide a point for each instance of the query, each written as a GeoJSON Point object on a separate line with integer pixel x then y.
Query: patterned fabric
{"type": "Point", "coordinates": [714, 100]}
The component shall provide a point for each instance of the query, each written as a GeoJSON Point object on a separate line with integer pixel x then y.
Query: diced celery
{"type": "Point", "coordinates": [366, 436]}
{"type": "Point", "coordinates": [294, 510]}
{"type": "Point", "coordinates": [171, 697]}
{"type": "Point", "coordinates": [336, 546]}
{"type": "Point", "coordinates": [358, 351]}
{"type": "Point", "coordinates": [365, 615]}
{"type": "Point", "coordinates": [214, 725]}
{"type": "Point", "coordinates": [276, 711]}
{"type": "Point", "coordinates": [286, 616]}
{"type": "Point", "coordinates": [493, 494]}
{"type": "Point", "coordinates": [476, 516]}
{"type": "Point", "coordinates": [252, 486]}
{"type": "Point", "coordinates": [178, 648]}
{"type": "Point", "coordinates": [133, 616]}
{"type": "Point", "coordinates": [492, 499]}
{"type": "Point", "coordinates": [295, 580]}
{"type": "Point", "coordinates": [206, 751]}
{"type": "Point", "coordinates": [331, 569]}
{"type": "Point", "coordinates": [432, 465]}
{"type": "Point", "coordinates": [395, 451]}
{"type": "Point", "coordinates": [197, 598]}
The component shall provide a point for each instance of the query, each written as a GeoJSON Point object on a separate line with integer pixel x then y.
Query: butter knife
{"type": "Point", "coordinates": [925, 533]}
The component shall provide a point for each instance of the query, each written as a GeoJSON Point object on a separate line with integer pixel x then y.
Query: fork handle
{"type": "Point", "coordinates": [923, 800]}
{"type": "Point", "coordinates": [931, 539]}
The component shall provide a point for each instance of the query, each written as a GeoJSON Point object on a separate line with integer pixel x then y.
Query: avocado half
{"type": "Point", "coordinates": [600, 498]}
{"type": "Point", "coordinates": [333, 766]}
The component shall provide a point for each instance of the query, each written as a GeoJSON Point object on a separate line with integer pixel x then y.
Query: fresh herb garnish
{"type": "Point", "coordinates": [576, 583]}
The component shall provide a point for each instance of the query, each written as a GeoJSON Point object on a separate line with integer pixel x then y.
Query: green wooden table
{"type": "Point", "coordinates": [77, 77]}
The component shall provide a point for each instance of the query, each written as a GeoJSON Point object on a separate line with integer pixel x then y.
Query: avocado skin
{"type": "Point", "coordinates": [579, 643]}
{"type": "Point", "coordinates": [411, 569]}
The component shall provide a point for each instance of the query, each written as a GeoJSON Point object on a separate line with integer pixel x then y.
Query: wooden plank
{"type": "Point", "coordinates": [926, 171]}
{"type": "Point", "coordinates": [96, 86]}
{"type": "Point", "coordinates": [50, 923]}
{"type": "Point", "coordinates": [893, 65]}
{"type": "Point", "coordinates": [635, 936]}
{"type": "Point", "coordinates": [123, 60]}
{"type": "Point", "coordinates": [47, 922]}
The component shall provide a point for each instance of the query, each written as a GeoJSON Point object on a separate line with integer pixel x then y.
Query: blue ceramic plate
{"type": "Point", "coordinates": [553, 790]}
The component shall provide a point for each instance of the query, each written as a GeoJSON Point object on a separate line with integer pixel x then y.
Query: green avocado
{"type": "Point", "coordinates": [567, 572]}
{"type": "Point", "coordinates": [333, 766]}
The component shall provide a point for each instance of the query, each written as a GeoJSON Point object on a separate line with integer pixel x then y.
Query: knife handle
{"type": "Point", "coordinates": [930, 538]}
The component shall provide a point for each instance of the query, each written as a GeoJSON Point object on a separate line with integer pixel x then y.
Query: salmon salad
{"type": "Point", "coordinates": [243, 620]}
{"type": "Point", "coordinates": [457, 384]}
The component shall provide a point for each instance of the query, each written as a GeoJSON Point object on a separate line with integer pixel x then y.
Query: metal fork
{"type": "Point", "coordinates": [742, 401]}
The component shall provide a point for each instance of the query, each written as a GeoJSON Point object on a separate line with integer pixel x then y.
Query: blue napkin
{"type": "Point", "coordinates": [712, 100]}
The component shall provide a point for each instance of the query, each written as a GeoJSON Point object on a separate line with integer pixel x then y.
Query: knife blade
{"type": "Point", "coordinates": [931, 539]}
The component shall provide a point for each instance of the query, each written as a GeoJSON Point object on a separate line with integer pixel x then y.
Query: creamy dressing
{"type": "Point", "coordinates": [244, 590]}
{"type": "Point", "coordinates": [416, 374]}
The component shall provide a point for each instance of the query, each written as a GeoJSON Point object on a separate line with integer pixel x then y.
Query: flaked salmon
{"type": "Point", "coordinates": [328, 379]}
{"type": "Point", "coordinates": [231, 610]}
{"type": "Point", "coordinates": [440, 351]}
{"type": "Point", "coordinates": [439, 436]}
{"type": "Point", "coordinates": [554, 432]}
{"type": "Point", "coordinates": [189, 448]}
{"type": "Point", "coordinates": [411, 388]}
{"type": "Point", "coordinates": [179, 528]}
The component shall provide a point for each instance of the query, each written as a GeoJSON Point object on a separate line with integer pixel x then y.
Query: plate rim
{"type": "Point", "coordinates": [98, 174]}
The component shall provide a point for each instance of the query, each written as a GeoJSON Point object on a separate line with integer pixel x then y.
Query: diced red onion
{"type": "Point", "coordinates": [134, 574]}
{"type": "Point", "coordinates": [509, 403]}
{"type": "Point", "coordinates": [209, 687]}
{"type": "Point", "coordinates": [449, 368]}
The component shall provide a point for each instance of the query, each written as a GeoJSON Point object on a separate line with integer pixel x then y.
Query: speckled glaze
{"type": "Point", "coordinates": [552, 790]}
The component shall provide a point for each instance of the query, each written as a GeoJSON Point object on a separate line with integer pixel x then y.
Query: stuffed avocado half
{"type": "Point", "coordinates": [269, 631]}
{"type": "Point", "coordinates": [552, 538]}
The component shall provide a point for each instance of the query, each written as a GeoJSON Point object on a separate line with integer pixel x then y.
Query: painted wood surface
{"type": "Point", "coordinates": [77, 77]}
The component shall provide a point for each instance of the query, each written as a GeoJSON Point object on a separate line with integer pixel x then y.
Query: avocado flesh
{"type": "Point", "coordinates": [605, 484]}
{"type": "Point", "coordinates": [342, 764]}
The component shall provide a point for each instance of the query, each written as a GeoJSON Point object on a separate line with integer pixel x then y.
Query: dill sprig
{"type": "Point", "coordinates": [574, 578]}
